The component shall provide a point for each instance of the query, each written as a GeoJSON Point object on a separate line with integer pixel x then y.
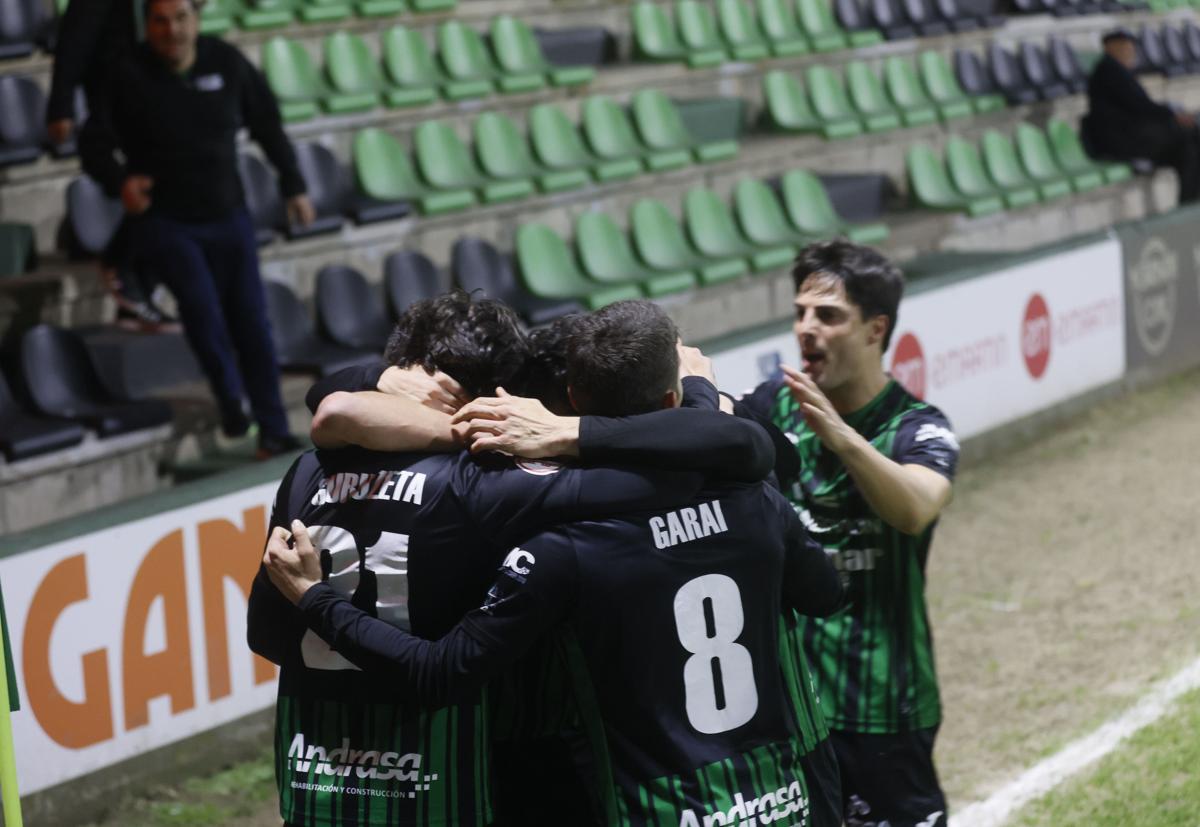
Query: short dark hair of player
{"type": "Point", "coordinates": [478, 343]}
{"type": "Point", "coordinates": [621, 360]}
{"type": "Point", "coordinates": [544, 376]}
{"type": "Point", "coordinates": [871, 282]}
{"type": "Point", "coordinates": [197, 6]}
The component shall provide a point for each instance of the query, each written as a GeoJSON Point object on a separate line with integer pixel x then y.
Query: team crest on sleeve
{"type": "Point", "coordinates": [539, 467]}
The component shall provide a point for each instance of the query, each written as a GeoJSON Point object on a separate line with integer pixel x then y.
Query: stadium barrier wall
{"type": "Point", "coordinates": [128, 624]}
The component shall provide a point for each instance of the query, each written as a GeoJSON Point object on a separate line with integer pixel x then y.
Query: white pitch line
{"type": "Point", "coordinates": [1049, 773]}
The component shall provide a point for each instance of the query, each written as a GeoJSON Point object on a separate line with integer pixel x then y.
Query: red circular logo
{"type": "Point", "coordinates": [908, 365]}
{"type": "Point", "coordinates": [1036, 335]}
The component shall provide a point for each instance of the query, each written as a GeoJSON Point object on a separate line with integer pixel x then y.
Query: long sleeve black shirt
{"type": "Point", "coordinates": [1116, 102]}
{"type": "Point", "coordinates": [92, 36]}
{"type": "Point", "coordinates": [181, 130]}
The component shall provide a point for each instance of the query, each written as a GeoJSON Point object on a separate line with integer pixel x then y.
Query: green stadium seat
{"type": "Point", "coordinates": [353, 74]}
{"type": "Point", "coordinates": [811, 212]}
{"type": "Point", "coordinates": [384, 172]}
{"type": "Point", "coordinates": [778, 22]}
{"type": "Point", "coordinates": [662, 130]}
{"type": "Point", "coordinates": [412, 75]}
{"type": "Point", "coordinates": [654, 35]}
{"type": "Point", "coordinates": [445, 164]}
{"type": "Point", "coordinates": [761, 217]}
{"type": "Point", "coordinates": [264, 14]}
{"type": "Point", "coordinates": [1000, 159]}
{"type": "Point", "coordinates": [216, 17]}
{"type": "Point", "coordinates": [380, 8]}
{"type": "Point", "coordinates": [838, 118]}
{"type": "Point", "coordinates": [698, 33]}
{"type": "Point", "coordinates": [548, 270]}
{"type": "Point", "coordinates": [18, 251]}
{"type": "Point", "coordinates": [519, 54]}
{"type": "Point", "coordinates": [968, 174]}
{"type": "Point", "coordinates": [433, 5]}
{"type": "Point", "coordinates": [504, 155]}
{"type": "Point", "coordinates": [787, 106]}
{"type": "Point", "coordinates": [468, 69]}
{"type": "Point", "coordinates": [818, 23]}
{"type": "Point", "coordinates": [943, 87]}
{"type": "Point", "coordinates": [869, 99]}
{"type": "Point", "coordinates": [293, 78]}
{"type": "Point", "coordinates": [661, 244]}
{"type": "Point", "coordinates": [931, 187]}
{"type": "Point", "coordinates": [714, 233]}
{"type": "Point", "coordinates": [906, 93]}
{"type": "Point", "coordinates": [1038, 160]}
{"type": "Point", "coordinates": [740, 32]}
{"type": "Point", "coordinates": [611, 139]}
{"type": "Point", "coordinates": [607, 257]}
{"type": "Point", "coordinates": [556, 143]}
{"type": "Point", "coordinates": [323, 11]}
{"type": "Point", "coordinates": [1072, 157]}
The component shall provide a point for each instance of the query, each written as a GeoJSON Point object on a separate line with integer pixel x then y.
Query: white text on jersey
{"type": "Point", "coordinates": [399, 486]}
{"type": "Point", "coordinates": [688, 524]}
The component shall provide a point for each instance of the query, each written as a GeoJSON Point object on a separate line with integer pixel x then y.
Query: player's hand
{"type": "Point", "coordinates": [518, 426]}
{"type": "Point", "coordinates": [694, 363]}
{"type": "Point", "coordinates": [135, 194]}
{"type": "Point", "coordinates": [819, 413]}
{"type": "Point", "coordinates": [436, 390]}
{"type": "Point", "coordinates": [59, 132]}
{"type": "Point", "coordinates": [300, 211]}
{"type": "Point", "coordinates": [294, 567]}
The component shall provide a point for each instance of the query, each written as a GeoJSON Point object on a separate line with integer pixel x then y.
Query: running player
{"type": "Point", "coordinates": [673, 617]}
{"type": "Point", "coordinates": [875, 471]}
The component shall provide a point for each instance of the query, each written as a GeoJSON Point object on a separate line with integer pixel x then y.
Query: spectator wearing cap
{"type": "Point", "coordinates": [1124, 122]}
{"type": "Point", "coordinates": [164, 138]}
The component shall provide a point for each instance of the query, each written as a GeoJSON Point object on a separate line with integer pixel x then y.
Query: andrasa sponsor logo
{"type": "Point", "coordinates": [1036, 335]}
{"type": "Point", "coordinates": [908, 365]}
{"type": "Point", "coordinates": [1153, 281]}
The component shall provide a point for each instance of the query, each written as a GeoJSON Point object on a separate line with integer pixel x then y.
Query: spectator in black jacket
{"type": "Point", "coordinates": [1124, 122]}
{"type": "Point", "coordinates": [164, 139]}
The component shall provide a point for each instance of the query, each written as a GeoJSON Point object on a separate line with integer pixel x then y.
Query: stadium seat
{"type": "Point", "coordinates": [548, 270]}
{"type": "Point", "coordinates": [742, 37]}
{"type": "Point", "coordinates": [868, 97]}
{"type": "Point", "coordinates": [24, 435]}
{"type": "Point", "coordinates": [479, 267]}
{"type": "Point", "coordinates": [520, 57]}
{"type": "Point", "coordinates": [661, 244]}
{"type": "Point", "coordinates": [63, 383]}
{"type": "Point", "coordinates": [21, 24]}
{"type": "Point", "coordinates": [931, 186]}
{"type": "Point", "coordinates": [1038, 160]}
{"type": "Point", "coordinates": [606, 255]}
{"type": "Point", "coordinates": [778, 21]}
{"type": "Point", "coordinates": [296, 344]}
{"type": "Point", "coordinates": [216, 17]}
{"type": "Point", "coordinates": [890, 20]}
{"type": "Point", "coordinates": [18, 252]}
{"type": "Point", "coordinates": [851, 18]}
{"type": "Point", "coordinates": [1191, 37]}
{"type": "Point", "coordinates": [698, 33]}
{"type": "Point", "coordinates": [505, 156]}
{"type": "Point", "coordinates": [354, 75]}
{"type": "Point", "coordinates": [409, 276]}
{"type": "Point", "coordinates": [264, 14]}
{"type": "Point", "coordinates": [761, 217]}
{"type": "Point", "coordinates": [433, 5]}
{"type": "Point", "coordinates": [468, 69]}
{"type": "Point", "coordinates": [787, 106]}
{"type": "Point", "coordinates": [811, 212]}
{"type": "Point", "coordinates": [92, 216]}
{"type": "Point", "coordinates": [446, 165]}
{"type": "Point", "coordinates": [1004, 168]}
{"type": "Point", "coordinates": [976, 82]}
{"type": "Point", "coordinates": [611, 138]}
{"type": "Point", "coordinates": [713, 231]}
{"type": "Point", "coordinates": [955, 17]}
{"type": "Point", "coordinates": [904, 88]}
{"type": "Point", "coordinates": [969, 176]}
{"type": "Point", "coordinates": [1008, 77]}
{"type": "Point", "coordinates": [558, 147]}
{"type": "Point", "coordinates": [654, 35]}
{"type": "Point", "coordinates": [412, 75]}
{"type": "Point", "coordinates": [1176, 49]}
{"type": "Point", "coordinates": [1065, 64]}
{"type": "Point", "coordinates": [1085, 173]}
{"type": "Point", "coordinates": [924, 18]}
{"type": "Point", "coordinates": [662, 130]}
{"type": "Point", "coordinates": [820, 27]}
{"type": "Point", "coordinates": [293, 79]}
{"type": "Point", "coordinates": [1154, 53]}
{"type": "Point", "coordinates": [829, 102]}
{"type": "Point", "coordinates": [328, 190]}
{"type": "Point", "coordinates": [1039, 74]}
{"type": "Point", "coordinates": [942, 86]}
{"type": "Point", "coordinates": [22, 120]}
{"type": "Point", "coordinates": [349, 312]}
{"type": "Point", "coordinates": [263, 200]}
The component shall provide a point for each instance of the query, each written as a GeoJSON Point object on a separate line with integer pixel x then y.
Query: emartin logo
{"type": "Point", "coordinates": [1036, 332]}
{"type": "Point", "coordinates": [908, 365]}
{"type": "Point", "coordinates": [1153, 281]}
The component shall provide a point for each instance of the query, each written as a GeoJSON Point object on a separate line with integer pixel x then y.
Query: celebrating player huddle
{"type": "Point", "coordinates": [640, 630]}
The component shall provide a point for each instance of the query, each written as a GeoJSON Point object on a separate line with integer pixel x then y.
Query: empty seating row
{"type": "Point", "coordinates": [899, 19]}
{"type": "Point", "coordinates": [1070, 8]}
{"type": "Point", "coordinates": [839, 106]}
{"type": "Point", "coordinates": [1029, 75]}
{"type": "Point", "coordinates": [1006, 173]}
{"type": "Point", "coordinates": [24, 24]}
{"type": "Point", "coordinates": [218, 16]}
{"type": "Point", "coordinates": [660, 256]}
{"type": "Point", "coordinates": [1170, 51]}
{"type": "Point", "coordinates": [445, 176]}
{"type": "Point", "coordinates": [779, 29]}
{"type": "Point", "coordinates": [23, 122]}
{"type": "Point", "coordinates": [407, 73]}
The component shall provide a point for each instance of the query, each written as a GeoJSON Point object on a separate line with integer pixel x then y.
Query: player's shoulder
{"type": "Point", "coordinates": [766, 392]}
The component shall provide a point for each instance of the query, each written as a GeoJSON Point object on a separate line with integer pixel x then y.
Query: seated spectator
{"type": "Point", "coordinates": [1123, 121]}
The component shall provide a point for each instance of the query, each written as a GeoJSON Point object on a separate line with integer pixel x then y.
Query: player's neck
{"type": "Point", "coordinates": [854, 395]}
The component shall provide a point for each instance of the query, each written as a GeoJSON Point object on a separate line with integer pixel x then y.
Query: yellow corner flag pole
{"type": "Point", "coordinates": [9, 794]}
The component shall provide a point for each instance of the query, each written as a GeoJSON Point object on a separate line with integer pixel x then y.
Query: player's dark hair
{"type": "Point", "coordinates": [622, 359]}
{"type": "Point", "coordinates": [197, 6]}
{"type": "Point", "coordinates": [544, 376]}
{"type": "Point", "coordinates": [477, 343]}
{"type": "Point", "coordinates": [871, 282]}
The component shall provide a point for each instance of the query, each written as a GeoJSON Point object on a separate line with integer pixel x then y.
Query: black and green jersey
{"type": "Point", "coordinates": [873, 661]}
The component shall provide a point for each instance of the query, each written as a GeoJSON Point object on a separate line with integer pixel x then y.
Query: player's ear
{"type": "Point", "coordinates": [671, 399]}
{"type": "Point", "coordinates": [877, 329]}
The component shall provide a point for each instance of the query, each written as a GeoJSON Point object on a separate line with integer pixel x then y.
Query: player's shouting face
{"type": "Point", "coordinates": [837, 345]}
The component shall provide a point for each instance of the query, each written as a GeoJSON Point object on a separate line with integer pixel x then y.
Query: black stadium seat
{"type": "Point", "coordinates": [63, 382]}
{"type": "Point", "coordinates": [327, 189]}
{"type": "Point", "coordinates": [921, 15]}
{"type": "Point", "coordinates": [349, 312]}
{"type": "Point", "coordinates": [1065, 64]}
{"type": "Point", "coordinates": [891, 22]}
{"type": "Point", "coordinates": [1038, 73]}
{"type": "Point", "coordinates": [22, 24]}
{"type": "Point", "coordinates": [1154, 54]}
{"type": "Point", "coordinates": [972, 76]}
{"type": "Point", "coordinates": [955, 17]}
{"type": "Point", "coordinates": [296, 342]}
{"type": "Point", "coordinates": [409, 276]}
{"type": "Point", "coordinates": [1191, 36]}
{"type": "Point", "coordinates": [1176, 48]}
{"type": "Point", "coordinates": [24, 435]}
{"type": "Point", "coordinates": [92, 216]}
{"type": "Point", "coordinates": [22, 120]}
{"type": "Point", "coordinates": [477, 265]}
{"type": "Point", "coordinates": [1007, 75]}
{"type": "Point", "coordinates": [850, 15]}
{"type": "Point", "coordinates": [263, 200]}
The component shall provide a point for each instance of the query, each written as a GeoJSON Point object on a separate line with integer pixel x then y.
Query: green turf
{"type": "Point", "coordinates": [1151, 780]}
